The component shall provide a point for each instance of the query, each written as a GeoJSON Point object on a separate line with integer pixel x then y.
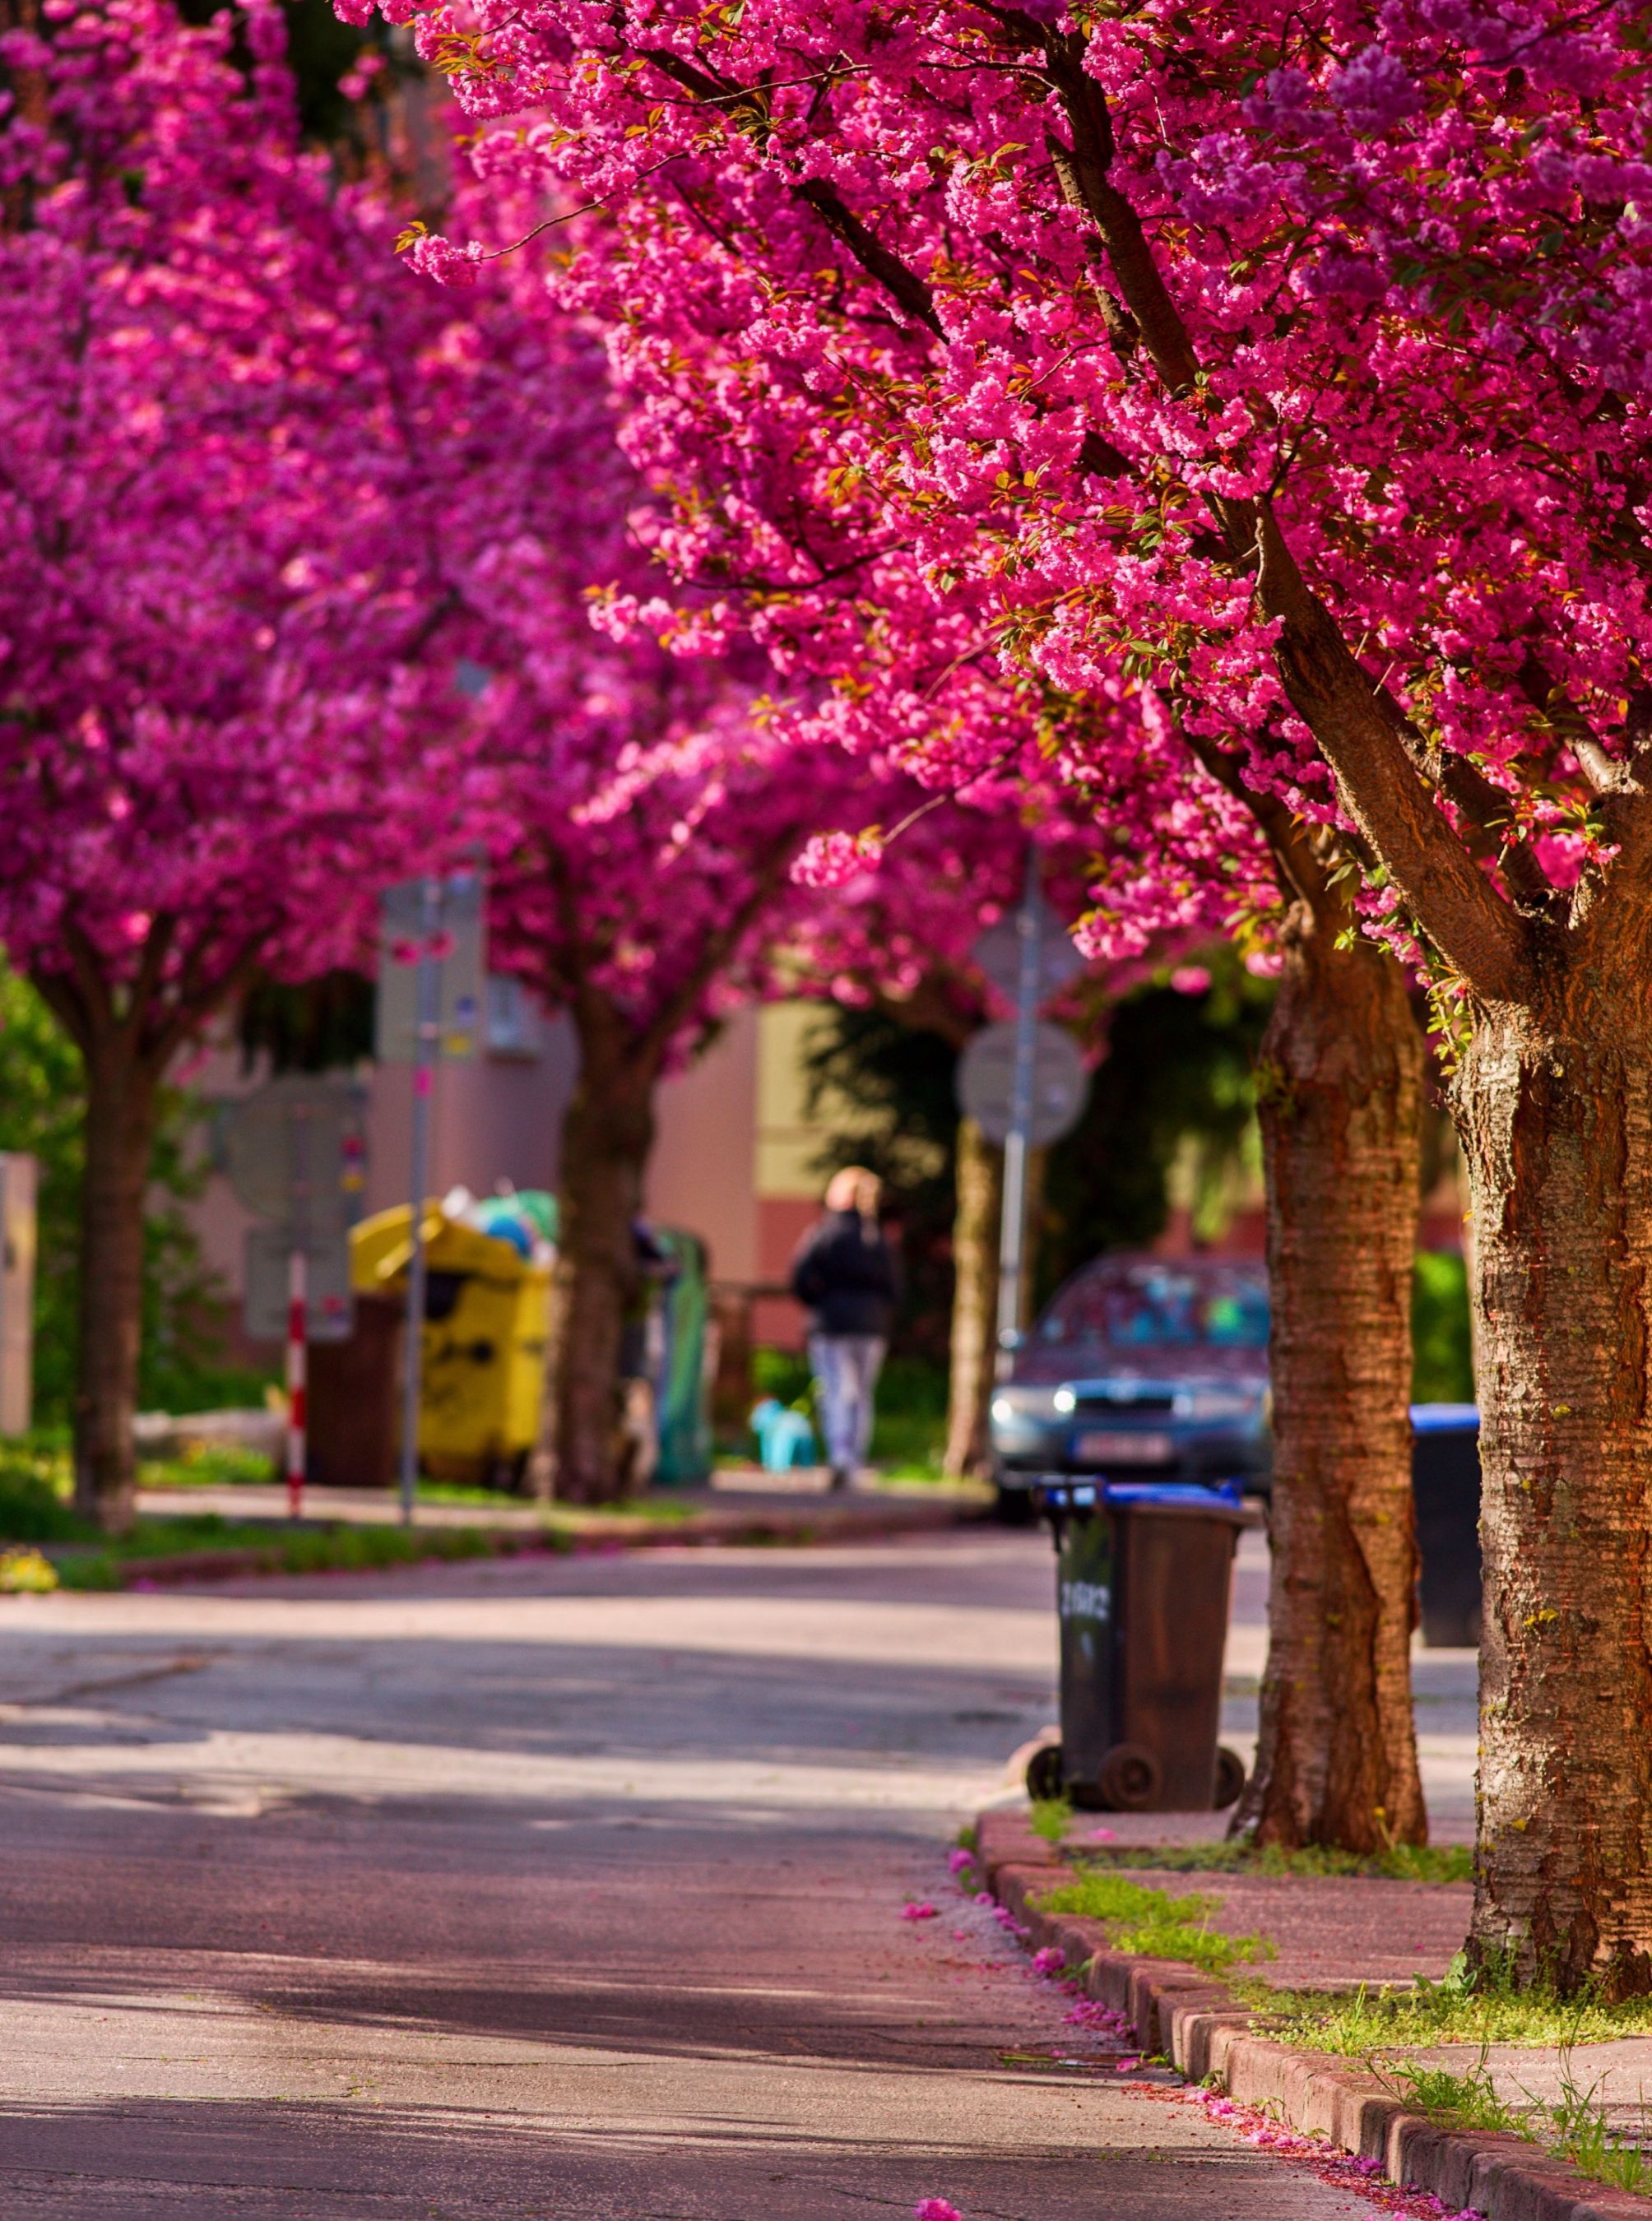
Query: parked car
{"type": "Point", "coordinates": [1142, 1367]}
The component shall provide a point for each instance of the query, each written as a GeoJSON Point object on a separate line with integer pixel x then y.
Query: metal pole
{"type": "Point", "coordinates": [1012, 1227]}
{"type": "Point", "coordinates": [424, 1062]}
{"type": "Point", "coordinates": [298, 1156]}
{"type": "Point", "coordinates": [296, 1415]}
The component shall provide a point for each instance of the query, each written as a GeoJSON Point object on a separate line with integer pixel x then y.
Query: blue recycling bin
{"type": "Point", "coordinates": [1445, 1488]}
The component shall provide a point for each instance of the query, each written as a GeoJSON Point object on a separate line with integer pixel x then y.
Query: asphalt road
{"type": "Point", "coordinates": [567, 1889]}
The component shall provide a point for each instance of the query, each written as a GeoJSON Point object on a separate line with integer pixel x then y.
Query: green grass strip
{"type": "Point", "coordinates": [1490, 2007]}
{"type": "Point", "coordinates": [342, 1547]}
{"type": "Point", "coordinates": [1050, 1818]}
{"type": "Point", "coordinates": [1150, 1923]}
{"type": "Point", "coordinates": [1400, 1862]}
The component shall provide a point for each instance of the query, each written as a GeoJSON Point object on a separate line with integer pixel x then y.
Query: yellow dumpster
{"type": "Point", "coordinates": [486, 1317]}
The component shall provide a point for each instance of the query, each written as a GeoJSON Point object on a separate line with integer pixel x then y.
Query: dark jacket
{"type": "Point", "coordinates": [848, 1276]}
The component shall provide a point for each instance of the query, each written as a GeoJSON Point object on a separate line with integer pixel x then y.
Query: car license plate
{"type": "Point", "coordinates": [1114, 1449]}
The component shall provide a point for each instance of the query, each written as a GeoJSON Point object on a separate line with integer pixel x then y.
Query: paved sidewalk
{"type": "Point", "coordinates": [1344, 1934]}
{"type": "Point", "coordinates": [554, 1890]}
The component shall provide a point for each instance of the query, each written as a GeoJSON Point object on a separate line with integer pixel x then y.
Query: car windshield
{"type": "Point", "coordinates": [1161, 1308]}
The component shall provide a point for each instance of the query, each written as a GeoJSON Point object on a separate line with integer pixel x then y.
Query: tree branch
{"type": "Point", "coordinates": [1300, 870]}
{"type": "Point", "coordinates": [930, 1009]}
{"type": "Point", "coordinates": [62, 996]}
{"type": "Point", "coordinates": [654, 1039]}
{"type": "Point", "coordinates": [1380, 787]}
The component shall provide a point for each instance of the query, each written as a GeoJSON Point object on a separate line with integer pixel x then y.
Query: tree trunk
{"type": "Point", "coordinates": [607, 1134]}
{"type": "Point", "coordinates": [1555, 1107]}
{"type": "Point", "coordinates": [121, 1106]}
{"type": "Point", "coordinates": [980, 1182]}
{"type": "Point", "coordinates": [1340, 1095]}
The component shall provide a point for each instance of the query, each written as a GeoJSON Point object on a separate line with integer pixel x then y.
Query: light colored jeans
{"type": "Point", "coordinates": [846, 1366]}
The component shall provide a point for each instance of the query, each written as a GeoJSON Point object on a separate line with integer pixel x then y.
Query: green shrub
{"type": "Point", "coordinates": [34, 1492]}
{"type": "Point", "coordinates": [42, 1110]}
{"type": "Point", "coordinates": [1442, 1360]}
{"type": "Point", "coordinates": [782, 1374]}
{"type": "Point", "coordinates": [25, 1573]}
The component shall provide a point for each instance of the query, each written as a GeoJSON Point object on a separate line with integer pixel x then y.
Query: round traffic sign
{"type": "Point", "coordinates": [986, 1082]}
{"type": "Point", "coordinates": [996, 952]}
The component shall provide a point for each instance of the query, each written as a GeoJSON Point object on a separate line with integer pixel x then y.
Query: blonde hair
{"type": "Point", "coordinates": [855, 1189]}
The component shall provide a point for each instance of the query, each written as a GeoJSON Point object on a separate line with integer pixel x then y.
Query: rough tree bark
{"type": "Point", "coordinates": [979, 1182]}
{"type": "Point", "coordinates": [1340, 1101]}
{"type": "Point", "coordinates": [1555, 1107]}
{"type": "Point", "coordinates": [607, 1135]}
{"type": "Point", "coordinates": [122, 1094]}
{"type": "Point", "coordinates": [127, 1031]}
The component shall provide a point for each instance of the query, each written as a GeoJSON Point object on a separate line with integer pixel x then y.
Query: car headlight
{"type": "Point", "coordinates": [1064, 1400]}
{"type": "Point", "coordinates": [1011, 1403]}
{"type": "Point", "coordinates": [1219, 1403]}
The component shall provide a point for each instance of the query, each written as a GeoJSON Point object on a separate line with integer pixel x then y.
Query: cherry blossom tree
{"type": "Point", "coordinates": [907, 656]}
{"type": "Point", "coordinates": [644, 889]}
{"type": "Point", "coordinates": [217, 735]}
{"type": "Point", "coordinates": [901, 938]}
{"type": "Point", "coordinates": [784, 519]}
{"type": "Point", "coordinates": [643, 804]}
{"type": "Point", "coordinates": [1296, 372]}
{"type": "Point", "coordinates": [1184, 844]}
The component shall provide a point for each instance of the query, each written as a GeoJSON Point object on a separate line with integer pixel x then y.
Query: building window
{"type": "Point", "coordinates": [513, 1024]}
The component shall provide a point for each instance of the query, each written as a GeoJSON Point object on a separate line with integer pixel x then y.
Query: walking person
{"type": "Point", "coordinates": [847, 1273]}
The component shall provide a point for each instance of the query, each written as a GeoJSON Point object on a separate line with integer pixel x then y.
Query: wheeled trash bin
{"type": "Point", "coordinates": [486, 1309]}
{"type": "Point", "coordinates": [1143, 1575]}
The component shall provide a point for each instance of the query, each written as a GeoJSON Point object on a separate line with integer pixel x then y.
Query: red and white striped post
{"type": "Point", "coordinates": [296, 1307]}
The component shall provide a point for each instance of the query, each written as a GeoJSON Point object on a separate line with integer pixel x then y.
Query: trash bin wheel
{"type": "Point", "coordinates": [1229, 1777]}
{"type": "Point", "coordinates": [1131, 1777]}
{"type": "Point", "coordinates": [1044, 1777]}
{"type": "Point", "coordinates": [1014, 1507]}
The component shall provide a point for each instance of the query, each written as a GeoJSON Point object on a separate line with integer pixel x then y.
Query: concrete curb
{"type": "Point", "coordinates": [818, 1523]}
{"type": "Point", "coordinates": [1205, 2031]}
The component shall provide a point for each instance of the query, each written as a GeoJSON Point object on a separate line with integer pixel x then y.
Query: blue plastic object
{"type": "Point", "coordinates": [1062, 1493]}
{"type": "Point", "coordinates": [1445, 1487]}
{"type": "Point", "coordinates": [1445, 1419]}
{"type": "Point", "coordinates": [784, 1438]}
{"type": "Point", "coordinates": [1166, 1492]}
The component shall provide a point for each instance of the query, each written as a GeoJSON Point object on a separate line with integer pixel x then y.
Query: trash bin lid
{"type": "Point", "coordinates": [381, 1247]}
{"type": "Point", "coordinates": [1066, 1491]}
{"type": "Point", "coordinates": [1174, 1492]}
{"type": "Point", "coordinates": [1224, 1499]}
{"type": "Point", "coordinates": [1445, 1419]}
